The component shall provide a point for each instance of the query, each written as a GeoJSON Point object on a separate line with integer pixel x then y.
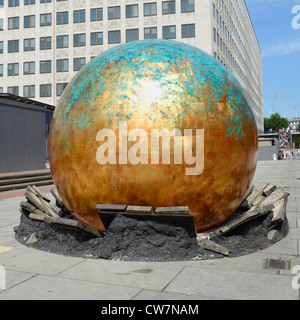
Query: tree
{"type": "Point", "coordinates": [275, 122]}
{"type": "Point", "coordinates": [298, 128]}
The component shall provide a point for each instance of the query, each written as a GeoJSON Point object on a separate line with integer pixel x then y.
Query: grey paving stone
{"type": "Point", "coordinates": [14, 278]}
{"type": "Point", "coordinates": [232, 285]}
{"type": "Point", "coordinates": [285, 246]}
{"type": "Point", "coordinates": [153, 276]}
{"type": "Point", "coordinates": [160, 295]}
{"type": "Point", "coordinates": [31, 260]}
{"type": "Point", "coordinates": [44, 287]}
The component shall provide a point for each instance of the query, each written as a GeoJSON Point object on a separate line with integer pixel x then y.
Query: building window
{"type": "Point", "coordinates": [114, 36]}
{"type": "Point", "coordinates": [114, 13]}
{"type": "Point", "coordinates": [45, 43]}
{"type": "Point", "coordinates": [13, 46]}
{"type": "Point", "coordinates": [29, 91]}
{"type": "Point", "coordinates": [132, 10]}
{"type": "Point", "coordinates": [79, 16]}
{"type": "Point", "coordinates": [1, 24]}
{"type": "Point", "coordinates": [45, 90]}
{"type": "Point", "coordinates": [13, 3]}
{"type": "Point", "coordinates": [29, 21]}
{"type": "Point", "coordinates": [188, 30]}
{"type": "Point", "coordinates": [1, 89]}
{"type": "Point", "coordinates": [78, 63]}
{"type": "Point", "coordinates": [13, 23]}
{"type": "Point", "coordinates": [29, 68]}
{"type": "Point", "coordinates": [62, 41]}
{"type": "Point", "coordinates": [96, 14]}
{"type": "Point", "coordinates": [60, 87]}
{"type": "Point", "coordinates": [150, 33]}
{"type": "Point", "coordinates": [1, 70]}
{"type": "Point", "coordinates": [13, 69]}
{"type": "Point", "coordinates": [187, 5]}
{"type": "Point", "coordinates": [27, 2]}
{"type": "Point", "coordinates": [168, 7]}
{"type": "Point", "coordinates": [1, 47]}
{"type": "Point", "coordinates": [13, 90]}
{"type": "Point", "coordinates": [45, 19]}
{"type": "Point", "coordinates": [45, 66]}
{"type": "Point", "coordinates": [96, 38]}
{"type": "Point", "coordinates": [62, 65]}
{"type": "Point", "coordinates": [132, 35]}
{"type": "Point", "coordinates": [62, 17]}
{"type": "Point", "coordinates": [169, 32]}
{"type": "Point", "coordinates": [79, 40]}
{"type": "Point", "coordinates": [150, 9]}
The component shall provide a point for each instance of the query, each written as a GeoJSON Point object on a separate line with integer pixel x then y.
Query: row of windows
{"type": "Point", "coordinates": [96, 14]}
{"type": "Point", "coordinates": [239, 64]}
{"type": "Point", "coordinates": [29, 90]}
{"type": "Point", "coordinates": [168, 6]}
{"type": "Point", "coordinates": [62, 65]}
{"type": "Point", "coordinates": [16, 3]}
{"type": "Point", "coordinates": [96, 38]}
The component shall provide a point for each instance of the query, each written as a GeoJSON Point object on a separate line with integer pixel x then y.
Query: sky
{"type": "Point", "coordinates": [277, 27]}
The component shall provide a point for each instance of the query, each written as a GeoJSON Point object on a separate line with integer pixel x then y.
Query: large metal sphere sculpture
{"type": "Point", "coordinates": [157, 123]}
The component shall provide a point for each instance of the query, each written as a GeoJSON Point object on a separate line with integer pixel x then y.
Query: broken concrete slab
{"type": "Point", "coordinates": [111, 207]}
{"type": "Point", "coordinates": [57, 198]}
{"type": "Point", "coordinates": [74, 224]}
{"type": "Point", "coordinates": [139, 209]}
{"type": "Point", "coordinates": [173, 210]}
{"type": "Point", "coordinates": [252, 213]}
{"type": "Point", "coordinates": [32, 240]}
{"type": "Point", "coordinates": [30, 208]}
{"type": "Point", "coordinates": [274, 236]}
{"type": "Point", "coordinates": [258, 200]}
{"type": "Point", "coordinates": [202, 237]}
{"type": "Point", "coordinates": [248, 202]}
{"type": "Point", "coordinates": [212, 246]}
{"type": "Point", "coordinates": [38, 217]}
{"type": "Point", "coordinates": [249, 191]}
{"type": "Point", "coordinates": [279, 211]}
{"type": "Point", "coordinates": [39, 193]}
{"type": "Point", "coordinates": [275, 196]}
{"type": "Point", "coordinates": [269, 189]}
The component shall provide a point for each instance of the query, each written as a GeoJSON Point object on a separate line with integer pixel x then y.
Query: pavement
{"type": "Point", "coordinates": [30, 274]}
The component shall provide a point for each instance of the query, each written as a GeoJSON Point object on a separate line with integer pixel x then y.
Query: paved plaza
{"type": "Point", "coordinates": [34, 274]}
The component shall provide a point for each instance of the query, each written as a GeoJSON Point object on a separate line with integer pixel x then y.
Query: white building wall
{"type": "Point", "coordinates": [242, 44]}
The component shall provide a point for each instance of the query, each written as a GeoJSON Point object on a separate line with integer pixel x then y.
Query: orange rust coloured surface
{"type": "Point", "coordinates": [154, 85]}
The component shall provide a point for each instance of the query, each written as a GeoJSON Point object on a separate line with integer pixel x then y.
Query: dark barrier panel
{"type": "Point", "coordinates": [266, 153]}
{"type": "Point", "coordinates": [22, 136]}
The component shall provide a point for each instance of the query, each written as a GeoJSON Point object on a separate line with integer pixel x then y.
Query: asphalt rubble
{"type": "Point", "coordinates": [259, 222]}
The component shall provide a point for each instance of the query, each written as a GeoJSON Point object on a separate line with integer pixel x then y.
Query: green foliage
{"type": "Point", "coordinates": [275, 122]}
{"type": "Point", "coordinates": [297, 143]}
{"type": "Point", "coordinates": [298, 128]}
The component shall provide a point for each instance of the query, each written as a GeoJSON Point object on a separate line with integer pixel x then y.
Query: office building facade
{"type": "Point", "coordinates": [43, 43]}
